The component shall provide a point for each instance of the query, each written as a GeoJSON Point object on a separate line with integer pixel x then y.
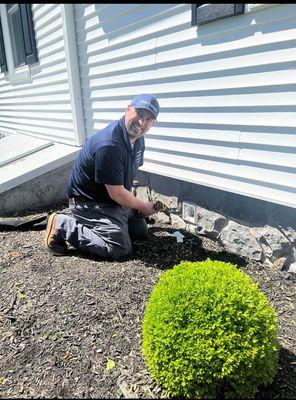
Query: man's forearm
{"type": "Point", "coordinates": [125, 198]}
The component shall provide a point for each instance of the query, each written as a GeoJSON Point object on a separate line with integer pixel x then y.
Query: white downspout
{"type": "Point", "coordinates": [73, 72]}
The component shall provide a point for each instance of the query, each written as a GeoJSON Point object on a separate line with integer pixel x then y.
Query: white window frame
{"type": "Point", "coordinates": [19, 74]}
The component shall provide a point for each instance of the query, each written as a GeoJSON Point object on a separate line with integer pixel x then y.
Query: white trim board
{"type": "Point", "coordinates": [73, 72]}
{"type": "Point", "coordinates": [19, 74]}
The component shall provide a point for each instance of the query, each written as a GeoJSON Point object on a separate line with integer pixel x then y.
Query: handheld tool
{"type": "Point", "coordinates": [160, 206]}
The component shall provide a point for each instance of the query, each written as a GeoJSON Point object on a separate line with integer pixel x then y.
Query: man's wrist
{"type": "Point", "coordinates": [141, 206]}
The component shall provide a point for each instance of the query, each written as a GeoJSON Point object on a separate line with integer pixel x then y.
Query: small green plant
{"type": "Point", "coordinates": [57, 337]}
{"type": "Point", "coordinates": [20, 294]}
{"type": "Point", "coordinates": [110, 365]}
{"type": "Point", "coordinates": [208, 329]}
{"type": "Point", "coordinates": [46, 334]}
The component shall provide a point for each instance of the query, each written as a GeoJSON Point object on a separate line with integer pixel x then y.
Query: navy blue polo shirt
{"type": "Point", "coordinates": [106, 158]}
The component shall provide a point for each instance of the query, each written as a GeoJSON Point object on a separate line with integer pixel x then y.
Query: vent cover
{"type": "Point", "coordinates": [189, 212]}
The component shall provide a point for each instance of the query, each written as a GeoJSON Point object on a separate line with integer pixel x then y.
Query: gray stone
{"type": "Point", "coordinates": [238, 239]}
{"type": "Point", "coordinates": [191, 228]}
{"type": "Point", "coordinates": [257, 233]}
{"type": "Point", "coordinates": [143, 193]}
{"type": "Point", "coordinates": [281, 263]}
{"type": "Point", "coordinates": [292, 268]}
{"type": "Point", "coordinates": [275, 244]}
{"type": "Point", "coordinates": [177, 222]}
{"type": "Point", "coordinates": [268, 263]}
{"type": "Point", "coordinates": [290, 233]}
{"type": "Point", "coordinates": [162, 217]}
{"type": "Point", "coordinates": [169, 201]}
{"type": "Point", "coordinates": [209, 223]}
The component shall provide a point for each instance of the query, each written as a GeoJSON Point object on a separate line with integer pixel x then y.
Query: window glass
{"type": "Point", "coordinates": [3, 62]}
{"type": "Point", "coordinates": [15, 29]}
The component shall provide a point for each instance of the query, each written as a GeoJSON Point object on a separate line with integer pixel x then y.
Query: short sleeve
{"type": "Point", "coordinates": [110, 165]}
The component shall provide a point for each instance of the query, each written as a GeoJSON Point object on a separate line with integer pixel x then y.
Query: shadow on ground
{"type": "Point", "coordinates": [191, 249]}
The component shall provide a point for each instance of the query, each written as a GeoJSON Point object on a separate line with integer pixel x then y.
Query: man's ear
{"type": "Point", "coordinates": [128, 108]}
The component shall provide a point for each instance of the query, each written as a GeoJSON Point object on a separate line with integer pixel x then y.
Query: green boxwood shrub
{"type": "Point", "coordinates": [209, 330]}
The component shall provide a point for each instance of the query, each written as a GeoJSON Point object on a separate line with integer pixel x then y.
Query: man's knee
{"type": "Point", "coordinates": [118, 252]}
{"type": "Point", "coordinates": [108, 250]}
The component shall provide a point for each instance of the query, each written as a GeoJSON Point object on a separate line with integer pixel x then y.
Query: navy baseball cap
{"type": "Point", "coordinates": [147, 101]}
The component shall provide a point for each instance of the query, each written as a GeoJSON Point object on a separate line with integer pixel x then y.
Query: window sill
{"type": "Point", "coordinates": [20, 75]}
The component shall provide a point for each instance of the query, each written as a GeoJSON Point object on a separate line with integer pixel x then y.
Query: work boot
{"type": "Point", "coordinates": [53, 240]}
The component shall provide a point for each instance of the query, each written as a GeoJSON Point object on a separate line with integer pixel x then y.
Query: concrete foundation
{"type": "Point", "coordinates": [34, 195]}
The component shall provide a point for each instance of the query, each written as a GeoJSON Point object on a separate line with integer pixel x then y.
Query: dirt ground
{"type": "Point", "coordinates": [70, 327]}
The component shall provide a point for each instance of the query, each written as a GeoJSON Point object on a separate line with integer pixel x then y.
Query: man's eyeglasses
{"type": "Point", "coordinates": [144, 116]}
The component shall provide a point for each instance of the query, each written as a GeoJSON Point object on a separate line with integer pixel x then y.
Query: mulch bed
{"type": "Point", "coordinates": [70, 327]}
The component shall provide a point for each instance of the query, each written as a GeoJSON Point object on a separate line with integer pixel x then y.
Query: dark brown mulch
{"type": "Point", "coordinates": [65, 320]}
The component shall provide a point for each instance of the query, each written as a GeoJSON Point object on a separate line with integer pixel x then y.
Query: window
{"type": "Point", "coordinates": [17, 38]}
{"type": "Point", "coordinates": [205, 13]}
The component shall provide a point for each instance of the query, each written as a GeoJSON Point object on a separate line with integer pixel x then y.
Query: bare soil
{"type": "Point", "coordinates": [70, 327]}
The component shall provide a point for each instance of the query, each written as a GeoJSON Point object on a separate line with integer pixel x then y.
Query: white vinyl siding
{"type": "Point", "coordinates": [227, 91]}
{"type": "Point", "coordinates": [41, 106]}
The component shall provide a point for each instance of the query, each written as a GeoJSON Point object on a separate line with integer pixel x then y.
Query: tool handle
{"type": "Point", "coordinates": [160, 206]}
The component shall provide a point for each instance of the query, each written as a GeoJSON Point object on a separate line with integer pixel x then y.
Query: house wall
{"type": "Point", "coordinates": [41, 105]}
{"type": "Point", "coordinates": [226, 91]}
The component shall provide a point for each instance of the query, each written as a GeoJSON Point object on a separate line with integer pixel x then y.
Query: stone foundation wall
{"type": "Point", "coordinates": [250, 228]}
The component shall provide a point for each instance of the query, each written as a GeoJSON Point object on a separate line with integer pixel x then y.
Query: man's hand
{"type": "Point", "coordinates": [148, 208]}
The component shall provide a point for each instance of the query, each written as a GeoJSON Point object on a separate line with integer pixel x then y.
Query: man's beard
{"type": "Point", "coordinates": [135, 132]}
